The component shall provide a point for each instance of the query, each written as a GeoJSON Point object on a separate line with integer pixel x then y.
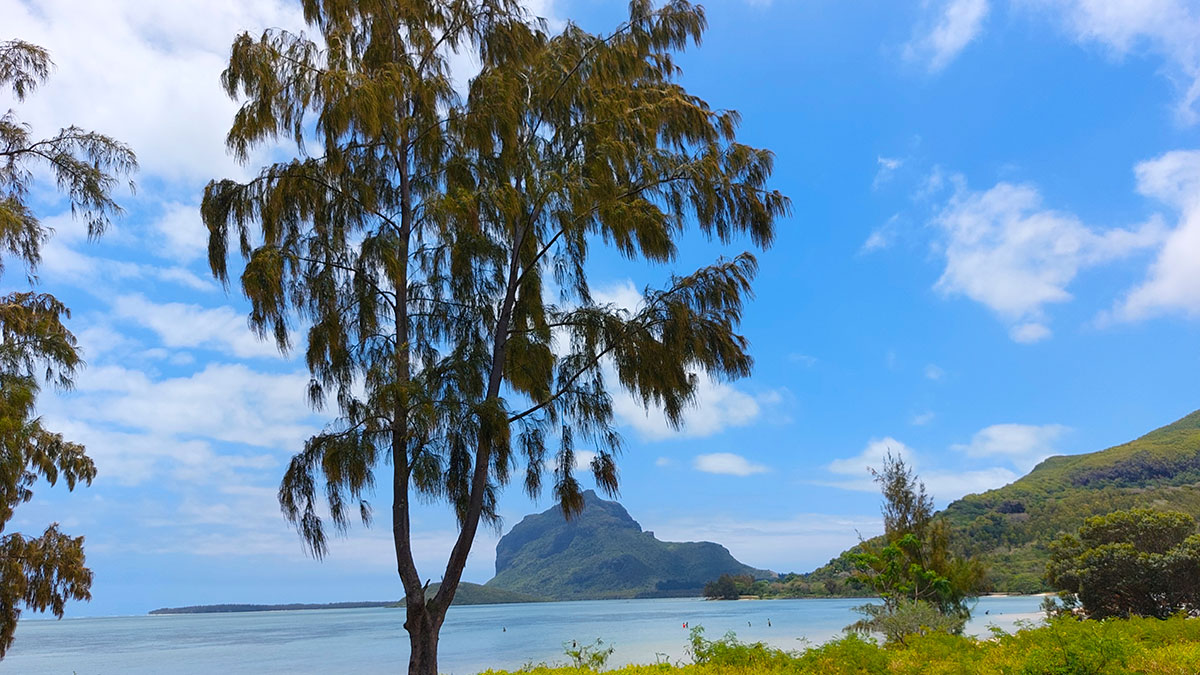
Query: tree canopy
{"type": "Point", "coordinates": [41, 572]}
{"type": "Point", "coordinates": [1138, 562]}
{"type": "Point", "coordinates": [913, 569]}
{"type": "Point", "coordinates": [434, 250]}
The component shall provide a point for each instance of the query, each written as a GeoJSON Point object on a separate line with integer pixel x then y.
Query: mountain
{"type": "Point", "coordinates": [602, 552]}
{"type": "Point", "coordinates": [1010, 528]}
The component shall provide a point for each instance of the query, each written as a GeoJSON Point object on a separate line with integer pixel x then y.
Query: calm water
{"type": "Point", "coordinates": [473, 639]}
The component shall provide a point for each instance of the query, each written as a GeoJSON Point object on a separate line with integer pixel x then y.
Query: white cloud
{"type": "Point", "coordinates": [727, 463]}
{"type": "Point", "coordinates": [663, 462]}
{"type": "Point", "coordinates": [64, 261]}
{"type": "Point", "coordinates": [803, 359]}
{"type": "Point", "coordinates": [622, 294]}
{"type": "Point", "coordinates": [145, 73]}
{"type": "Point", "coordinates": [1023, 444]}
{"type": "Point", "coordinates": [934, 372]}
{"type": "Point", "coordinates": [1172, 284]}
{"type": "Point", "coordinates": [718, 406]}
{"type": "Point", "coordinates": [242, 521]}
{"type": "Point", "coordinates": [887, 167]}
{"type": "Point", "coordinates": [798, 543]}
{"type": "Point", "coordinates": [944, 485]}
{"type": "Point", "coordinates": [1169, 29]}
{"type": "Point", "coordinates": [922, 419]}
{"type": "Point", "coordinates": [957, 23]}
{"type": "Point", "coordinates": [876, 241]}
{"type": "Point", "coordinates": [179, 324]}
{"type": "Point", "coordinates": [1028, 333]}
{"type": "Point", "coordinates": [1007, 252]}
{"type": "Point", "coordinates": [872, 457]}
{"type": "Point", "coordinates": [583, 460]}
{"type": "Point", "coordinates": [230, 403]}
{"type": "Point", "coordinates": [882, 237]}
{"type": "Point", "coordinates": [183, 235]}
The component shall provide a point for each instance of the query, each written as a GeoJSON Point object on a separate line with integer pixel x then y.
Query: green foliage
{"type": "Point", "coordinates": [924, 586]}
{"type": "Point", "coordinates": [418, 244]}
{"type": "Point", "coordinates": [1129, 563]}
{"type": "Point", "coordinates": [1063, 647]}
{"type": "Point", "coordinates": [418, 233]}
{"type": "Point", "coordinates": [728, 652]}
{"type": "Point", "coordinates": [588, 656]}
{"type": "Point", "coordinates": [899, 621]}
{"type": "Point", "coordinates": [41, 572]}
{"type": "Point", "coordinates": [602, 552]}
{"type": "Point", "coordinates": [1010, 529]}
{"type": "Point", "coordinates": [728, 587]}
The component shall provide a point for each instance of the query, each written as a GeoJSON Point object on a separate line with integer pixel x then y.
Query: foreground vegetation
{"type": "Point", "coordinates": [1062, 646]}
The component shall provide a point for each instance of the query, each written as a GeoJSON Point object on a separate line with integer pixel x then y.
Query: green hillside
{"type": "Point", "coordinates": [1010, 527]}
{"type": "Point", "coordinates": [603, 553]}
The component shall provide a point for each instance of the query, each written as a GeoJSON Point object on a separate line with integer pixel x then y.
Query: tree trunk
{"type": "Point", "coordinates": [423, 629]}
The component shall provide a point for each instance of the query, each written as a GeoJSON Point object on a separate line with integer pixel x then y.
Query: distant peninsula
{"type": "Point", "coordinates": [468, 594]}
{"type": "Point", "coordinates": [231, 608]}
{"type": "Point", "coordinates": [601, 553]}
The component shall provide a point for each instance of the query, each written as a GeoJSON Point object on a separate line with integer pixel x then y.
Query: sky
{"type": "Point", "coordinates": [991, 260]}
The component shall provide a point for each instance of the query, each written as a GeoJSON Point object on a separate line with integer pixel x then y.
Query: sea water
{"type": "Point", "coordinates": [474, 638]}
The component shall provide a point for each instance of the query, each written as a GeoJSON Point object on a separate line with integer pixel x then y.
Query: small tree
{"type": "Point", "coordinates": [436, 250]}
{"type": "Point", "coordinates": [912, 569]}
{"type": "Point", "coordinates": [41, 572]}
{"type": "Point", "coordinates": [1139, 562]}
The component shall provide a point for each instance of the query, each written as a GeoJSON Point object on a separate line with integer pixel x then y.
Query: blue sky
{"type": "Point", "coordinates": [991, 260]}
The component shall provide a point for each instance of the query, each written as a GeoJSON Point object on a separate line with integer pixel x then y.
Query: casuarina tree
{"type": "Point", "coordinates": [44, 571]}
{"type": "Point", "coordinates": [431, 249]}
{"type": "Point", "coordinates": [924, 586]}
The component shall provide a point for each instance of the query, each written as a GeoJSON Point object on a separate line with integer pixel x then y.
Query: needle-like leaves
{"type": "Point", "coordinates": [435, 247]}
{"type": "Point", "coordinates": [36, 347]}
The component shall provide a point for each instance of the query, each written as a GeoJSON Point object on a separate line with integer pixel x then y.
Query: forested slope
{"type": "Point", "coordinates": [1011, 527]}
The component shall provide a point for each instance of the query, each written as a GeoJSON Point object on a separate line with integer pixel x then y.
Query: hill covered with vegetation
{"type": "Point", "coordinates": [1010, 528]}
{"type": "Point", "coordinates": [603, 553]}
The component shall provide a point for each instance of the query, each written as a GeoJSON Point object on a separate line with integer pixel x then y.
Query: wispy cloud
{"type": "Point", "coordinates": [887, 167]}
{"type": "Point", "coordinates": [1172, 283]}
{"type": "Point", "coordinates": [921, 419]}
{"type": "Point", "coordinates": [853, 473]}
{"type": "Point", "coordinates": [727, 463]}
{"type": "Point", "coordinates": [1005, 250]}
{"type": "Point", "coordinates": [1023, 444]}
{"type": "Point", "coordinates": [179, 324]}
{"type": "Point", "coordinates": [1168, 29]}
{"type": "Point", "coordinates": [951, 26]}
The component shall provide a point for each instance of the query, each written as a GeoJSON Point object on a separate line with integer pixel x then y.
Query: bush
{"type": "Point", "coordinates": [905, 618]}
{"type": "Point", "coordinates": [1129, 563]}
{"type": "Point", "coordinates": [1062, 647]}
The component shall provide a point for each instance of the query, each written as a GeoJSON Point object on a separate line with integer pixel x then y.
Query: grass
{"type": "Point", "coordinates": [1062, 647]}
